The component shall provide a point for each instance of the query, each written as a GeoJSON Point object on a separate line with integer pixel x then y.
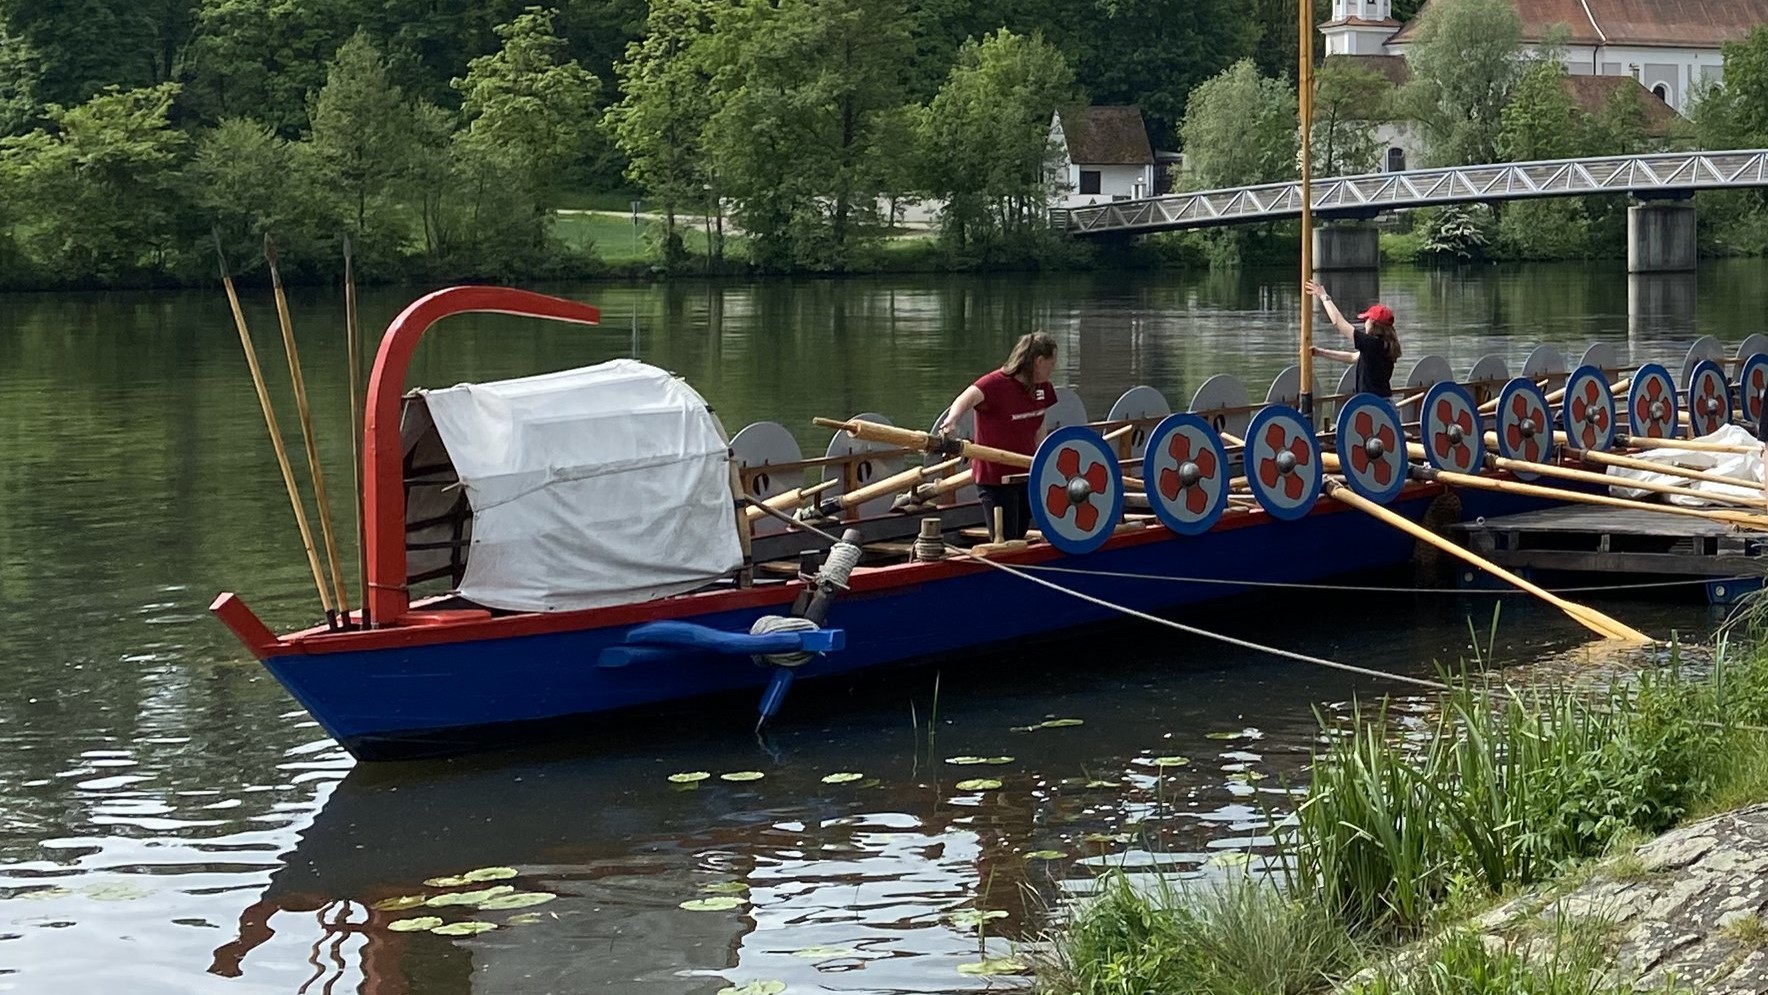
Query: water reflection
{"type": "Point", "coordinates": [173, 822]}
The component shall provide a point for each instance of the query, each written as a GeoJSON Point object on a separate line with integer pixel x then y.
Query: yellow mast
{"type": "Point", "coordinates": [1305, 98]}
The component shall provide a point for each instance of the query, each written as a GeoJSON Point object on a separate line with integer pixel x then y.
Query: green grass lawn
{"type": "Point", "coordinates": [613, 236]}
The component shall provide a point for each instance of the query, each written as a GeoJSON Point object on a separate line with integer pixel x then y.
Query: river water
{"type": "Point", "coordinates": [171, 821]}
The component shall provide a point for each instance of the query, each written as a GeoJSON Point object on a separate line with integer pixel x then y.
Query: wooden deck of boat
{"type": "Point", "coordinates": [1585, 539]}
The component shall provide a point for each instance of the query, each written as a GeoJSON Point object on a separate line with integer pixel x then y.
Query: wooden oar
{"type": "Point", "coordinates": [1492, 405]}
{"type": "Point", "coordinates": [1589, 618]}
{"type": "Point", "coordinates": [356, 403]}
{"type": "Point", "coordinates": [1669, 469]}
{"type": "Point", "coordinates": [786, 499]}
{"type": "Point", "coordinates": [282, 454]}
{"type": "Point", "coordinates": [1691, 445]}
{"type": "Point", "coordinates": [908, 438]}
{"type": "Point", "coordinates": [1740, 519]}
{"type": "Point", "coordinates": [313, 464]}
{"type": "Point", "coordinates": [1601, 479]}
{"type": "Point", "coordinates": [893, 483]}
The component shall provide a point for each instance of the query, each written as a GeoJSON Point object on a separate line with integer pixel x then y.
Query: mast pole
{"type": "Point", "coordinates": [1304, 92]}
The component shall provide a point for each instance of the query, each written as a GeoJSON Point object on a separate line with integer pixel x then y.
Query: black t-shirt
{"type": "Point", "coordinates": [1374, 370]}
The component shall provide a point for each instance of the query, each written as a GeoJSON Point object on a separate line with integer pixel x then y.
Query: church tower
{"type": "Point", "coordinates": [1359, 27]}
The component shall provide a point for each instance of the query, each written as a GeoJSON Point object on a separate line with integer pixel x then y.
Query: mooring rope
{"type": "Point", "coordinates": [1370, 589]}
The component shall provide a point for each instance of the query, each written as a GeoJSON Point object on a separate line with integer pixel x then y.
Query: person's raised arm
{"type": "Point", "coordinates": [960, 406]}
{"type": "Point", "coordinates": [1339, 321]}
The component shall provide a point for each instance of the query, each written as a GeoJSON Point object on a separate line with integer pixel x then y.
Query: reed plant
{"type": "Point", "coordinates": [1574, 960]}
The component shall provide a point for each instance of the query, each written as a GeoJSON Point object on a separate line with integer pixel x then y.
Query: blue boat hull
{"type": "Point", "coordinates": [440, 696]}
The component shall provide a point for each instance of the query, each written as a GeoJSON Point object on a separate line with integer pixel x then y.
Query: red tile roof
{"type": "Point", "coordinates": [1666, 23]}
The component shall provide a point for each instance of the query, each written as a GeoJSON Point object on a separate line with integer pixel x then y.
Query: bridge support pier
{"type": "Point", "coordinates": [1347, 245]}
{"type": "Point", "coordinates": [1660, 237]}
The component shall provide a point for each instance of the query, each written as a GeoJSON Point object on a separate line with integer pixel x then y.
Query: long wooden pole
{"type": "Point", "coordinates": [786, 499]}
{"type": "Point", "coordinates": [1305, 101]}
{"type": "Point", "coordinates": [1668, 469]}
{"type": "Point", "coordinates": [282, 454]}
{"type": "Point", "coordinates": [313, 464]}
{"type": "Point", "coordinates": [356, 402]}
{"type": "Point", "coordinates": [1740, 519]}
{"type": "Point", "coordinates": [1591, 477]}
{"type": "Point", "coordinates": [1590, 618]}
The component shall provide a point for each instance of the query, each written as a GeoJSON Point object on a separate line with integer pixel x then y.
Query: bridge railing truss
{"type": "Point", "coordinates": [1367, 195]}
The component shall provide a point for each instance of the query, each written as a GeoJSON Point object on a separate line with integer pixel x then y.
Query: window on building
{"type": "Point", "coordinates": [1396, 160]}
{"type": "Point", "coordinates": [1661, 92]}
{"type": "Point", "coordinates": [1089, 181]}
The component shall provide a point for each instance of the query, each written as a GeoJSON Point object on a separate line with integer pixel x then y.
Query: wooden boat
{"type": "Point", "coordinates": [565, 520]}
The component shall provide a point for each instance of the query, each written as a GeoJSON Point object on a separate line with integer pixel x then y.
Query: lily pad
{"type": "Point", "coordinates": [1045, 855]}
{"type": "Point", "coordinates": [843, 777]}
{"type": "Point", "coordinates": [1061, 723]}
{"type": "Point", "coordinates": [519, 900]}
{"type": "Point", "coordinates": [1107, 837]}
{"type": "Point", "coordinates": [1247, 776]}
{"type": "Point", "coordinates": [416, 925]}
{"type": "Point", "coordinates": [971, 918]}
{"type": "Point", "coordinates": [825, 953]}
{"type": "Point", "coordinates": [721, 903]}
{"type": "Point", "coordinates": [1236, 858]}
{"type": "Point", "coordinates": [726, 888]}
{"type": "Point", "coordinates": [689, 777]}
{"type": "Point", "coordinates": [1100, 783]}
{"type": "Point", "coordinates": [742, 775]}
{"type": "Point", "coordinates": [754, 988]}
{"type": "Point", "coordinates": [467, 928]}
{"type": "Point", "coordinates": [966, 761]}
{"type": "Point", "coordinates": [523, 919]}
{"type": "Point", "coordinates": [996, 965]}
{"type": "Point", "coordinates": [979, 784]}
{"type": "Point", "coordinates": [468, 897]}
{"type": "Point", "coordinates": [44, 894]}
{"type": "Point", "coordinates": [489, 874]}
{"type": "Point", "coordinates": [398, 904]}
{"type": "Point", "coordinates": [121, 891]}
{"type": "Point", "coordinates": [1171, 761]}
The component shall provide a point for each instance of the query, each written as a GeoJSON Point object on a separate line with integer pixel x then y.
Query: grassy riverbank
{"type": "Point", "coordinates": [1403, 835]}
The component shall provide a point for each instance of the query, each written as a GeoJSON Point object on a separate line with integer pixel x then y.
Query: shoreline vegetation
{"type": "Point", "coordinates": [1401, 867]}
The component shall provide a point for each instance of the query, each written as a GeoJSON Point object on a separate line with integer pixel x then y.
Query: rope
{"type": "Point", "coordinates": [1205, 633]}
{"type": "Point", "coordinates": [769, 624]}
{"type": "Point", "coordinates": [1369, 589]}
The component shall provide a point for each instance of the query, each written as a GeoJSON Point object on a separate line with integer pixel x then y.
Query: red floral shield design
{"type": "Point", "coordinates": [1752, 395]}
{"type": "Point", "coordinates": [1058, 502]}
{"type": "Point", "coordinates": [1590, 411]}
{"type": "Point", "coordinates": [1170, 483]}
{"type": "Point", "coordinates": [1653, 392]}
{"type": "Point", "coordinates": [1380, 469]}
{"type": "Point", "coordinates": [1277, 440]}
{"type": "Point", "coordinates": [1709, 390]}
{"type": "Point", "coordinates": [1526, 447]}
{"type": "Point", "coordinates": [1448, 449]}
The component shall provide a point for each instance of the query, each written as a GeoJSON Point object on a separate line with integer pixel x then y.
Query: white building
{"type": "Point", "coordinates": [1101, 154]}
{"type": "Point", "coordinates": [1668, 47]}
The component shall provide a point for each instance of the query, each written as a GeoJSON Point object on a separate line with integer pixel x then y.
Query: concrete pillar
{"type": "Point", "coordinates": [1660, 237]}
{"type": "Point", "coordinates": [1347, 245]}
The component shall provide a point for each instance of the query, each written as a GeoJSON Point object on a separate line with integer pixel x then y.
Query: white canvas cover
{"type": "Point", "coordinates": [590, 487]}
{"type": "Point", "coordinates": [1745, 466]}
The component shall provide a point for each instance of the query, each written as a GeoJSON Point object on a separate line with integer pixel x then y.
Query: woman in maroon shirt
{"type": "Point", "coordinates": [1009, 403]}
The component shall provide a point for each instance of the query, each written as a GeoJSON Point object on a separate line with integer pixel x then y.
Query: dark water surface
{"type": "Point", "coordinates": [170, 821]}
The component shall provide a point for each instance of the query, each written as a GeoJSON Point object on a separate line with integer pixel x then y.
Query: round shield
{"type": "Point", "coordinates": [1347, 385]}
{"type": "Point", "coordinates": [1488, 375]}
{"type": "Point", "coordinates": [1545, 363]}
{"type": "Point", "coordinates": [1752, 383]}
{"type": "Point", "coordinates": [966, 430]}
{"type": "Point", "coordinates": [1453, 437]}
{"type": "Point", "coordinates": [855, 469]}
{"type": "Point", "coordinates": [1286, 389]}
{"type": "Point", "coordinates": [1076, 489]}
{"type": "Point", "coordinates": [1751, 345]}
{"type": "Point", "coordinates": [1068, 410]}
{"type": "Point", "coordinates": [1187, 474]}
{"type": "Point", "coordinates": [1372, 447]}
{"type": "Point", "coordinates": [1651, 403]}
{"type": "Point", "coordinates": [1709, 398]}
{"type": "Point", "coordinates": [1427, 371]}
{"type": "Point", "coordinates": [1589, 409]}
{"type": "Point", "coordinates": [1224, 403]}
{"type": "Point", "coordinates": [1705, 347]}
{"type": "Point", "coordinates": [1138, 404]}
{"type": "Point", "coordinates": [1283, 462]}
{"type": "Point", "coordinates": [1525, 429]}
{"type": "Point", "coordinates": [757, 449]}
{"type": "Point", "coordinates": [1603, 356]}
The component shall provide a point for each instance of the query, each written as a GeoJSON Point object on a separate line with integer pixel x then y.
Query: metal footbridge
{"type": "Point", "coordinates": [1653, 177]}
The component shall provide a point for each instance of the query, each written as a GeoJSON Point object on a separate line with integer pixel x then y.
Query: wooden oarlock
{"type": "Point", "coordinates": [313, 464]}
{"type": "Point", "coordinates": [282, 455]}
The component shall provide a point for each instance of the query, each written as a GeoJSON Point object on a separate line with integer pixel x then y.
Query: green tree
{"type": "Point", "coordinates": [360, 137]}
{"type": "Point", "coordinates": [530, 103]}
{"type": "Point", "coordinates": [100, 185]}
{"type": "Point", "coordinates": [661, 118]}
{"type": "Point", "coordinates": [1464, 62]}
{"type": "Point", "coordinates": [1240, 128]}
{"type": "Point", "coordinates": [1349, 104]}
{"type": "Point", "coordinates": [20, 73]}
{"type": "Point", "coordinates": [83, 46]}
{"type": "Point", "coordinates": [1735, 115]}
{"type": "Point", "coordinates": [264, 59]}
{"type": "Point", "coordinates": [984, 139]}
{"type": "Point", "coordinates": [247, 182]}
{"type": "Point", "coordinates": [809, 93]}
{"type": "Point", "coordinates": [1540, 121]}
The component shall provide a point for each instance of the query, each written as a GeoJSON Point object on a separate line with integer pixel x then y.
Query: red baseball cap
{"type": "Point", "coordinates": [1379, 312]}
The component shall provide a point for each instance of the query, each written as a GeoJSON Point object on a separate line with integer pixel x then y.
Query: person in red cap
{"type": "Point", "coordinates": [1377, 346]}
